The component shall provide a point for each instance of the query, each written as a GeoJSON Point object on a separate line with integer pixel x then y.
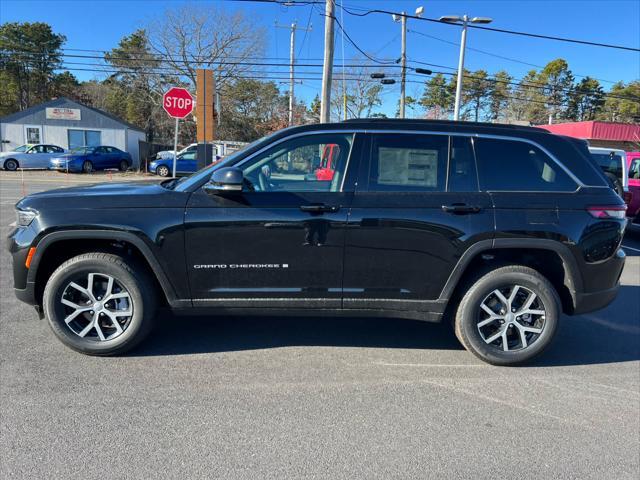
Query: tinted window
{"type": "Point", "coordinates": [38, 149]}
{"type": "Point", "coordinates": [462, 166]}
{"type": "Point", "coordinates": [511, 165]}
{"type": "Point", "coordinates": [292, 166]}
{"type": "Point", "coordinates": [405, 162]}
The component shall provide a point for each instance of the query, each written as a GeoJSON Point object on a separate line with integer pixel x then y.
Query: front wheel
{"type": "Point", "coordinates": [100, 304]}
{"type": "Point", "coordinates": [11, 165]}
{"type": "Point", "coordinates": [87, 166]}
{"type": "Point", "coordinates": [162, 171]}
{"type": "Point", "coordinates": [508, 316]}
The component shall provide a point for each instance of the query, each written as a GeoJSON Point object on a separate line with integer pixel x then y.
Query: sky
{"type": "Point", "coordinates": [100, 24]}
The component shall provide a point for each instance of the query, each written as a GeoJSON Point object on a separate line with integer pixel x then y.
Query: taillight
{"type": "Point", "coordinates": [608, 211]}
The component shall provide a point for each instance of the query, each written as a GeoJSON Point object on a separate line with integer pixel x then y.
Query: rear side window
{"type": "Point", "coordinates": [462, 166]}
{"type": "Point", "coordinates": [408, 163]}
{"type": "Point", "coordinates": [512, 165]}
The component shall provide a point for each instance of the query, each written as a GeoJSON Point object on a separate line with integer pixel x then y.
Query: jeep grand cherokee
{"type": "Point", "coordinates": [498, 229]}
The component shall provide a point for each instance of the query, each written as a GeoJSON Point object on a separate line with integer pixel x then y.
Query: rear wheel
{"type": "Point", "coordinates": [11, 165]}
{"type": "Point", "coordinates": [163, 171]}
{"type": "Point", "coordinates": [100, 304]}
{"type": "Point", "coordinates": [87, 166]}
{"type": "Point", "coordinates": [508, 316]}
{"type": "Point", "coordinates": [124, 166]}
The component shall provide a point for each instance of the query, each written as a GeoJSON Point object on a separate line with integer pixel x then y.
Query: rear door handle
{"type": "Point", "coordinates": [460, 208]}
{"type": "Point", "coordinates": [319, 208]}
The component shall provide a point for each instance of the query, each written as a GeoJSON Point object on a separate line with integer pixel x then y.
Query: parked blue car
{"type": "Point", "coordinates": [186, 164]}
{"type": "Point", "coordinates": [89, 159]}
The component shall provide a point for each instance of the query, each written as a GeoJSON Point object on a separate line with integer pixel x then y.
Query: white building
{"type": "Point", "coordinates": [69, 124]}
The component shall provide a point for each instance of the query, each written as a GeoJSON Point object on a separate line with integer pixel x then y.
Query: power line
{"type": "Point", "coordinates": [500, 30]}
{"type": "Point", "coordinates": [159, 58]}
{"type": "Point", "coordinates": [500, 56]}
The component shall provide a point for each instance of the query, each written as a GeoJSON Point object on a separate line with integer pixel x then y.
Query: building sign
{"type": "Point", "coordinates": [63, 113]}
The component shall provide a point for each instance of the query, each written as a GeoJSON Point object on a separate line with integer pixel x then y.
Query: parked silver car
{"type": "Point", "coordinates": [29, 156]}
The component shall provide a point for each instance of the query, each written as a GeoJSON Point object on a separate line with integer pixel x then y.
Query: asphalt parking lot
{"type": "Point", "coordinates": [314, 397]}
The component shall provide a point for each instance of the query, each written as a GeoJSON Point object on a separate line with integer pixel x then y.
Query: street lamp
{"type": "Point", "coordinates": [464, 20]}
{"type": "Point", "coordinates": [402, 18]}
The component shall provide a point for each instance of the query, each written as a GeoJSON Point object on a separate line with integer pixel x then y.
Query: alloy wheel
{"type": "Point", "coordinates": [163, 171]}
{"type": "Point", "coordinates": [511, 318]}
{"type": "Point", "coordinates": [99, 310]}
{"type": "Point", "coordinates": [87, 167]}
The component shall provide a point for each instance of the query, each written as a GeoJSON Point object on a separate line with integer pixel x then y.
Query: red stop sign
{"type": "Point", "coordinates": [177, 102]}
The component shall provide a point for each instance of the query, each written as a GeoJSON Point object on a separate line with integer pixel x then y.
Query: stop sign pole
{"type": "Point", "coordinates": [178, 103]}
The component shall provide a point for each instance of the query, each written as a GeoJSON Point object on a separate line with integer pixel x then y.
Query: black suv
{"type": "Point", "coordinates": [497, 228]}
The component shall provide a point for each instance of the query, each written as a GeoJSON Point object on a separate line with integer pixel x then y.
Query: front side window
{"type": "Point", "coordinates": [634, 169]}
{"type": "Point", "coordinates": [294, 165]}
{"type": "Point", "coordinates": [407, 162]}
{"type": "Point", "coordinates": [187, 156]}
{"type": "Point", "coordinates": [513, 165]}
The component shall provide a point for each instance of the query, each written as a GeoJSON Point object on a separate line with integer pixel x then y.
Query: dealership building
{"type": "Point", "coordinates": [625, 136]}
{"type": "Point", "coordinates": [69, 124]}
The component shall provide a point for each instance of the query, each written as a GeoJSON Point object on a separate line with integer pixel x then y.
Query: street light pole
{"type": "Point", "coordinates": [463, 41]}
{"type": "Point", "coordinates": [464, 20]}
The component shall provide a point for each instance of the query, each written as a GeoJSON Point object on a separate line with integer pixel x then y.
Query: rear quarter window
{"type": "Point", "coordinates": [514, 165]}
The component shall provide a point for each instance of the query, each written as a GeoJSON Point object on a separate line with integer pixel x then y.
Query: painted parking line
{"type": "Point", "coordinates": [631, 248]}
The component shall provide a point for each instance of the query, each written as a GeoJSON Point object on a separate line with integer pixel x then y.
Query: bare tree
{"type": "Point", "coordinates": [206, 36]}
{"type": "Point", "coordinates": [361, 91]}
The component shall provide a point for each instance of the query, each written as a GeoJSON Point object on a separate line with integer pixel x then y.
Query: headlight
{"type": "Point", "coordinates": [25, 217]}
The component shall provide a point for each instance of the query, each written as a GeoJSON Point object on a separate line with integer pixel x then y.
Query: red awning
{"type": "Point", "coordinates": [625, 132]}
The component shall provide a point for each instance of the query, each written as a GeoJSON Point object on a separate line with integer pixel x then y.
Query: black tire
{"type": "Point", "coordinates": [124, 166]}
{"type": "Point", "coordinates": [468, 315]}
{"type": "Point", "coordinates": [11, 165]}
{"type": "Point", "coordinates": [163, 171]}
{"type": "Point", "coordinates": [134, 279]}
{"type": "Point", "coordinates": [87, 166]}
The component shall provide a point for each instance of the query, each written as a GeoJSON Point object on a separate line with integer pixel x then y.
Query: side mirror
{"type": "Point", "coordinates": [227, 180]}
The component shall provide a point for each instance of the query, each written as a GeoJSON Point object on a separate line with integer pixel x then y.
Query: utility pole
{"type": "Point", "coordinates": [402, 17]}
{"type": "Point", "coordinates": [327, 69]}
{"type": "Point", "coordinates": [292, 60]}
{"type": "Point", "coordinates": [403, 63]}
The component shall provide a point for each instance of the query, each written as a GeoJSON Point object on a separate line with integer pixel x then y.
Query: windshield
{"type": "Point", "coordinates": [21, 148]}
{"type": "Point", "coordinates": [82, 150]}
{"type": "Point", "coordinates": [185, 183]}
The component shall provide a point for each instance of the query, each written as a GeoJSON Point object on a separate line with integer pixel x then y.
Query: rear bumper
{"type": "Point", "coordinates": [590, 301]}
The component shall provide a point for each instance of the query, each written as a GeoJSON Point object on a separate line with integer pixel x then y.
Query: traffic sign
{"type": "Point", "coordinates": [177, 102]}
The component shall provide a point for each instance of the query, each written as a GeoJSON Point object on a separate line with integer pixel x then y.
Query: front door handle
{"type": "Point", "coordinates": [460, 208]}
{"type": "Point", "coordinates": [319, 208]}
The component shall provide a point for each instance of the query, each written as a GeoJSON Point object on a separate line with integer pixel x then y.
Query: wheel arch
{"type": "Point", "coordinates": [66, 244]}
{"type": "Point", "coordinates": [551, 258]}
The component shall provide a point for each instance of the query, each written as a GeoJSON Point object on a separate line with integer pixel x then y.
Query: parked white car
{"type": "Point", "coordinates": [29, 156]}
{"type": "Point", "coordinates": [613, 163]}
